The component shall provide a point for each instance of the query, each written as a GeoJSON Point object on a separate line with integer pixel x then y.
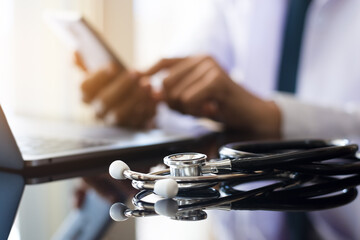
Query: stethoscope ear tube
{"type": "Point", "coordinates": [238, 149]}
{"type": "Point", "coordinates": [294, 157]}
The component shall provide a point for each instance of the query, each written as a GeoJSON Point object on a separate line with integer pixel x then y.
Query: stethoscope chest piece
{"type": "Point", "coordinates": [185, 164]}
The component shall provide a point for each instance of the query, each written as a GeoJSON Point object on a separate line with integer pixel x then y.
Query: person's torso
{"type": "Point", "coordinates": [328, 71]}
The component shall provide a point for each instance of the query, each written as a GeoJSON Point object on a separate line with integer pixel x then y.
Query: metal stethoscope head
{"type": "Point", "coordinates": [186, 171]}
{"type": "Point", "coordinates": [241, 161]}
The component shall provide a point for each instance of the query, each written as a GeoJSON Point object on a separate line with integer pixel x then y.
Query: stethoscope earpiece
{"type": "Point", "coordinates": [167, 188]}
{"type": "Point", "coordinates": [117, 212]}
{"type": "Point", "coordinates": [166, 207]}
{"type": "Point", "coordinates": [117, 169]}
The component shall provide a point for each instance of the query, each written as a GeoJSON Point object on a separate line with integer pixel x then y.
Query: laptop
{"type": "Point", "coordinates": [32, 142]}
{"type": "Point", "coordinates": [11, 188]}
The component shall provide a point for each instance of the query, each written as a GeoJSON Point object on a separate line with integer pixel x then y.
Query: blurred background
{"type": "Point", "coordinates": [37, 75]}
{"type": "Point", "coordinates": [38, 78]}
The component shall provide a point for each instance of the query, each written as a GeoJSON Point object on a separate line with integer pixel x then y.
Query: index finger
{"type": "Point", "coordinates": [162, 64]}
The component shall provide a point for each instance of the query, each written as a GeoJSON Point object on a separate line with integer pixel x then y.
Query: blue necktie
{"type": "Point", "coordinates": [291, 45]}
{"type": "Point", "coordinates": [299, 226]}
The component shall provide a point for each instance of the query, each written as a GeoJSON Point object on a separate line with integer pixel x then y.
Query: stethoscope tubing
{"type": "Point", "coordinates": [249, 201]}
{"type": "Point", "coordinates": [256, 148]}
{"type": "Point", "coordinates": [330, 185]}
{"type": "Point", "coordinates": [260, 164]}
{"type": "Point", "coordinates": [293, 204]}
{"type": "Point", "coordinates": [295, 157]}
{"type": "Point", "coordinates": [324, 168]}
{"type": "Point", "coordinates": [139, 202]}
{"type": "Point", "coordinates": [275, 196]}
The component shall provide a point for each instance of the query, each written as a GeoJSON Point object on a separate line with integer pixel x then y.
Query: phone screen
{"type": "Point", "coordinates": [73, 29]}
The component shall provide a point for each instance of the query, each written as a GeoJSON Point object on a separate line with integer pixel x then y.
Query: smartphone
{"type": "Point", "coordinates": [77, 33]}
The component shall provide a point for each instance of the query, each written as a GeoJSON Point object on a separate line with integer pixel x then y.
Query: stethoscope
{"type": "Point", "coordinates": [286, 193]}
{"type": "Point", "coordinates": [244, 161]}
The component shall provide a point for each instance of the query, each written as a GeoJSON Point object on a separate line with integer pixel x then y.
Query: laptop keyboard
{"type": "Point", "coordinates": [45, 145]}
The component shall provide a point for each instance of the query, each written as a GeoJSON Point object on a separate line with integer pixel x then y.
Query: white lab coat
{"type": "Point", "coordinates": [245, 38]}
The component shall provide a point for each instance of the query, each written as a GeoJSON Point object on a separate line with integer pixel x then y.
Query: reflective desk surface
{"type": "Point", "coordinates": [75, 204]}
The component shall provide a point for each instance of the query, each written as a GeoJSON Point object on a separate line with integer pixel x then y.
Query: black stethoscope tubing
{"type": "Point", "coordinates": [265, 155]}
{"type": "Point", "coordinates": [296, 157]}
{"type": "Point", "coordinates": [213, 201]}
{"type": "Point", "coordinates": [312, 204]}
{"type": "Point", "coordinates": [333, 193]}
{"type": "Point", "coordinates": [321, 186]}
{"type": "Point", "coordinates": [325, 168]}
{"type": "Point", "coordinates": [308, 198]}
{"type": "Point", "coordinates": [330, 185]}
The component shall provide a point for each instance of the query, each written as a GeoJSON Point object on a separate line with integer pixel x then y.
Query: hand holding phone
{"type": "Point", "coordinates": [118, 96]}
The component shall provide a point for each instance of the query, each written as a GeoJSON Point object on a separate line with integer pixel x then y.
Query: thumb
{"type": "Point", "coordinates": [78, 60]}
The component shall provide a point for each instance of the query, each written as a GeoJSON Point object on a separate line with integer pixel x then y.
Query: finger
{"type": "Point", "coordinates": [148, 115]}
{"type": "Point", "coordinates": [140, 115]}
{"type": "Point", "coordinates": [79, 61]}
{"type": "Point", "coordinates": [115, 92]}
{"type": "Point", "coordinates": [173, 94]}
{"type": "Point", "coordinates": [136, 117]}
{"type": "Point", "coordinates": [158, 96]}
{"type": "Point", "coordinates": [121, 114]}
{"type": "Point", "coordinates": [180, 70]}
{"type": "Point", "coordinates": [162, 64]}
{"type": "Point", "coordinates": [97, 81]}
{"type": "Point", "coordinates": [201, 92]}
{"type": "Point", "coordinates": [143, 111]}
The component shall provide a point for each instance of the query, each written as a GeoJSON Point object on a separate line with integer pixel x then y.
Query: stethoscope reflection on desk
{"type": "Point", "coordinates": [244, 161]}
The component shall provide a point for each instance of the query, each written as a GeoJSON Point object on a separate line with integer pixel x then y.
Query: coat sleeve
{"type": "Point", "coordinates": [301, 119]}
